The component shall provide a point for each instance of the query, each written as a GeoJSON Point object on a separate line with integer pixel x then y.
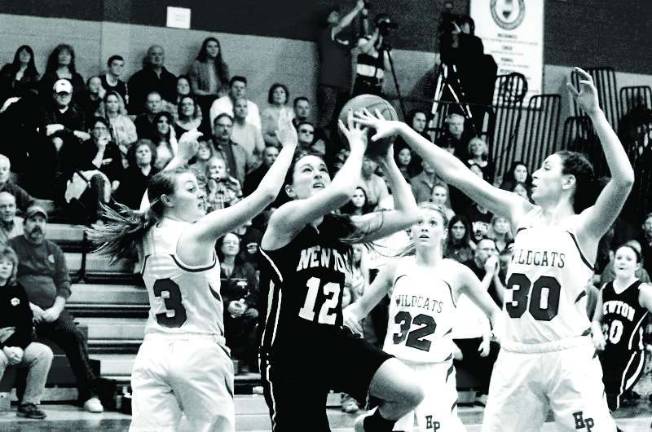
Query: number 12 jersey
{"type": "Point", "coordinates": [301, 287]}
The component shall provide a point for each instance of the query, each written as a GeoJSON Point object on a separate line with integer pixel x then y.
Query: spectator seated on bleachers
{"type": "Point", "coordinates": [146, 121]}
{"type": "Point", "coordinates": [240, 294]}
{"type": "Point", "coordinates": [17, 347]}
{"type": "Point", "coordinates": [92, 97]}
{"type": "Point", "coordinates": [165, 139]}
{"type": "Point", "coordinates": [23, 199]}
{"type": "Point", "coordinates": [423, 183]}
{"type": "Point", "coordinates": [479, 217]}
{"type": "Point", "coordinates": [500, 231]}
{"type": "Point", "coordinates": [518, 174]}
{"type": "Point", "coordinates": [645, 240]}
{"type": "Point", "coordinates": [250, 238]}
{"type": "Point", "coordinates": [189, 116]}
{"type": "Point", "coordinates": [209, 74]}
{"type": "Point", "coordinates": [485, 261]}
{"type": "Point", "coordinates": [123, 129]}
{"type": "Point", "coordinates": [235, 156]}
{"type": "Point", "coordinates": [10, 224]}
{"type": "Point", "coordinates": [373, 184]}
{"type": "Point", "coordinates": [204, 154]}
{"type": "Point", "coordinates": [277, 113]}
{"type": "Point", "coordinates": [479, 156]}
{"type": "Point", "coordinates": [182, 89]}
{"type": "Point", "coordinates": [302, 110]}
{"type": "Point", "coordinates": [20, 76]}
{"type": "Point", "coordinates": [246, 134]}
{"type": "Point", "coordinates": [137, 175]}
{"type": "Point", "coordinates": [441, 198]}
{"type": "Point", "coordinates": [111, 79]}
{"type": "Point", "coordinates": [224, 104]}
{"type": "Point", "coordinates": [359, 204]}
{"type": "Point", "coordinates": [42, 271]}
{"type": "Point", "coordinates": [453, 138]}
{"type": "Point", "coordinates": [459, 245]}
{"type": "Point", "coordinates": [61, 65]}
{"type": "Point", "coordinates": [61, 126]}
{"type": "Point", "coordinates": [222, 190]}
{"type": "Point", "coordinates": [253, 178]}
{"type": "Point", "coordinates": [153, 77]}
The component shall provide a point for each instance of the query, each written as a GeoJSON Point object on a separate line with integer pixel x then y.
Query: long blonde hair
{"type": "Point", "coordinates": [410, 249]}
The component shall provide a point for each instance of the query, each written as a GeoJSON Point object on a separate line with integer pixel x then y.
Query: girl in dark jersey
{"type": "Point", "coordinates": [620, 313]}
{"type": "Point", "coordinates": [306, 250]}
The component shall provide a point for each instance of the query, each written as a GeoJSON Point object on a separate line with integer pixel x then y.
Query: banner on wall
{"type": "Point", "coordinates": [512, 32]}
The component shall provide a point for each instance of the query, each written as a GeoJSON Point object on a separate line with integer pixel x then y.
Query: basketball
{"type": "Point", "coordinates": [372, 103]}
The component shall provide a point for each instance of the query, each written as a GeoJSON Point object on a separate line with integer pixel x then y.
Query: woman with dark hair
{"type": "Point", "coordinates": [142, 158]}
{"type": "Point", "coordinates": [189, 115]}
{"type": "Point", "coordinates": [418, 120]}
{"type": "Point", "coordinates": [306, 253]}
{"type": "Point", "coordinates": [518, 173]}
{"type": "Point", "coordinates": [20, 76]}
{"type": "Point", "coordinates": [183, 367]}
{"type": "Point", "coordinates": [209, 75]}
{"type": "Point", "coordinates": [165, 139]}
{"type": "Point", "coordinates": [61, 65]}
{"type": "Point", "coordinates": [277, 113]}
{"type": "Point", "coordinates": [182, 90]}
{"type": "Point", "coordinates": [459, 245]}
{"type": "Point", "coordinates": [618, 325]}
{"type": "Point", "coordinates": [358, 205]}
{"type": "Point", "coordinates": [547, 357]}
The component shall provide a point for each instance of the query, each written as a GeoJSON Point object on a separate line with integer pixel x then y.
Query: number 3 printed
{"type": "Point", "coordinates": [168, 290]}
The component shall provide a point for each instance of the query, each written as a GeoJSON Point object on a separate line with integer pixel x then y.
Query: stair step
{"type": "Point", "coordinates": [106, 293]}
{"type": "Point", "coordinates": [114, 328]}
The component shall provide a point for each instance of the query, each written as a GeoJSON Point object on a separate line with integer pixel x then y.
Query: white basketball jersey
{"type": "Point", "coordinates": [421, 315]}
{"type": "Point", "coordinates": [545, 298]}
{"type": "Point", "coordinates": [183, 299]}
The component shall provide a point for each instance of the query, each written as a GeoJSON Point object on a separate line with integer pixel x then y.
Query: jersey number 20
{"type": "Point", "coordinates": [169, 291]}
{"type": "Point", "coordinates": [327, 312]}
{"type": "Point", "coordinates": [543, 303]}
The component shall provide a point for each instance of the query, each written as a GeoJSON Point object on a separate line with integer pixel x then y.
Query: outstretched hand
{"type": "Point", "coordinates": [286, 134]}
{"type": "Point", "coordinates": [188, 144]}
{"type": "Point", "coordinates": [355, 134]}
{"type": "Point", "coordinates": [587, 95]}
{"type": "Point", "coordinates": [384, 128]}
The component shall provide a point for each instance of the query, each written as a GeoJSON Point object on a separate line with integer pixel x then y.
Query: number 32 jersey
{"type": "Point", "coordinates": [301, 287]}
{"type": "Point", "coordinates": [546, 284]}
{"type": "Point", "coordinates": [421, 315]}
{"type": "Point", "coordinates": [183, 299]}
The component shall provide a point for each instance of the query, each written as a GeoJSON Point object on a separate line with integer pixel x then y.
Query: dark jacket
{"type": "Point", "coordinates": [242, 284]}
{"type": "Point", "coordinates": [15, 312]}
{"type": "Point", "coordinates": [145, 81]}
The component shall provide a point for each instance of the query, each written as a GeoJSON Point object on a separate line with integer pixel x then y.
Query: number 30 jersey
{"type": "Point", "coordinates": [301, 288]}
{"type": "Point", "coordinates": [183, 299]}
{"type": "Point", "coordinates": [421, 315]}
{"type": "Point", "coordinates": [545, 297]}
{"type": "Point", "coordinates": [622, 320]}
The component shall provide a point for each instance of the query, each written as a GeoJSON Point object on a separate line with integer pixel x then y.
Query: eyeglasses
{"type": "Point", "coordinates": [306, 131]}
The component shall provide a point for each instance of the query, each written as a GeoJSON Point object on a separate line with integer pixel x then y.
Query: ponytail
{"type": "Point", "coordinates": [123, 230]}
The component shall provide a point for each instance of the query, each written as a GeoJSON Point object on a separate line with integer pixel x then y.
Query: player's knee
{"type": "Point", "coordinates": [412, 395]}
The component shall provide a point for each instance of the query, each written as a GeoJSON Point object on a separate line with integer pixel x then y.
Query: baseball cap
{"type": "Point", "coordinates": [62, 86]}
{"type": "Point", "coordinates": [35, 209]}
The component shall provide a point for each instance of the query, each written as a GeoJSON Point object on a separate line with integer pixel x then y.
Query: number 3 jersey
{"type": "Point", "coordinates": [545, 297]}
{"type": "Point", "coordinates": [183, 299]}
{"type": "Point", "coordinates": [421, 315]}
{"type": "Point", "coordinates": [301, 288]}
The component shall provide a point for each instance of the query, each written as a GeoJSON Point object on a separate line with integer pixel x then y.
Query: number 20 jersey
{"type": "Point", "coordinates": [546, 284]}
{"type": "Point", "coordinates": [421, 315]}
{"type": "Point", "coordinates": [301, 288]}
{"type": "Point", "coordinates": [183, 300]}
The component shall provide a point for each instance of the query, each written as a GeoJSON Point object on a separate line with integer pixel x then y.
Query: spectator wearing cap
{"type": "Point", "coordinates": [43, 272]}
{"type": "Point", "coordinates": [17, 347]}
{"type": "Point", "coordinates": [61, 65]}
{"type": "Point", "coordinates": [62, 127]}
{"type": "Point", "coordinates": [225, 104]}
{"type": "Point", "coordinates": [22, 198]}
{"type": "Point", "coordinates": [153, 77]}
{"type": "Point", "coordinates": [10, 224]}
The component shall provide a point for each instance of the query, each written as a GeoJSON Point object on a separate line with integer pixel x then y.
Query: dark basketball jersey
{"type": "Point", "coordinates": [301, 288]}
{"type": "Point", "coordinates": [622, 322]}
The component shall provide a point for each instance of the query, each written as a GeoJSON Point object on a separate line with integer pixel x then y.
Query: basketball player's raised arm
{"type": "Point", "coordinates": [355, 312]}
{"type": "Point", "coordinates": [597, 219]}
{"type": "Point", "coordinates": [383, 223]}
{"type": "Point", "coordinates": [292, 216]}
{"type": "Point", "coordinates": [596, 325]}
{"type": "Point", "coordinates": [201, 236]}
{"type": "Point", "coordinates": [449, 168]}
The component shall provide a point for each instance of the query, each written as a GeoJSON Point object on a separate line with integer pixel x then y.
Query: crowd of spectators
{"type": "Point", "coordinates": [89, 143]}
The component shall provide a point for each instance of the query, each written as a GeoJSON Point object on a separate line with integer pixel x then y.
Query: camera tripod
{"type": "Point", "coordinates": [385, 47]}
{"type": "Point", "coordinates": [448, 80]}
